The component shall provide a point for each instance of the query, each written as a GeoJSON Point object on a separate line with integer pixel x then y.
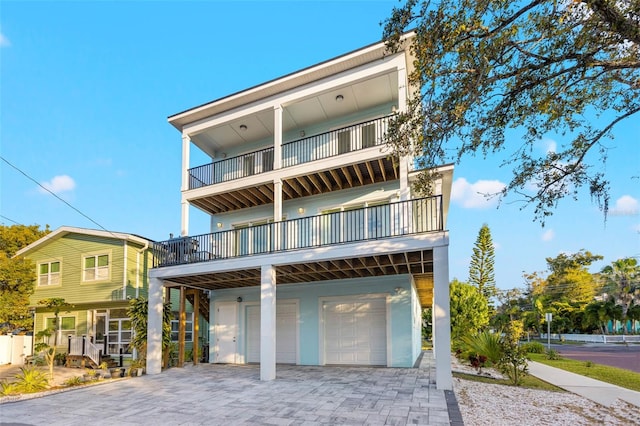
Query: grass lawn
{"type": "Point", "coordinates": [528, 381]}
{"type": "Point", "coordinates": [615, 376]}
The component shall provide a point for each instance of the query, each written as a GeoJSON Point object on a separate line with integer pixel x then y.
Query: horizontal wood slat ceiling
{"type": "Point", "coordinates": [320, 182]}
{"type": "Point", "coordinates": [417, 263]}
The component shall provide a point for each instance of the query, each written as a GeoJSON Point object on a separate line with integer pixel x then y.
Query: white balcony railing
{"type": "Point", "coordinates": [369, 223]}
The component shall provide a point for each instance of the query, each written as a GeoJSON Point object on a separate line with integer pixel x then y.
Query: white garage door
{"type": "Point", "coordinates": [286, 333]}
{"type": "Point", "coordinates": [355, 332]}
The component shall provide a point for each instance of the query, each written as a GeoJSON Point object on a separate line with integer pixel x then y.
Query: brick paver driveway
{"type": "Point", "coordinates": [213, 394]}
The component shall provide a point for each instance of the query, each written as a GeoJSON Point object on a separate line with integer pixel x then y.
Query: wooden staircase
{"type": "Point", "coordinates": [203, 307]}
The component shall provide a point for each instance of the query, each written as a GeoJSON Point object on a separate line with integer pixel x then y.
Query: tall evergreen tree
{"type": "Point", "coordinates": [481, 272]}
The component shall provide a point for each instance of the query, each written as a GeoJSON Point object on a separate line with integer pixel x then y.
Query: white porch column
{"type": "Point", "coordinates": [154, 327]}
{"type": "Point", "coordinates": [277, 213]}
{"type": "Point", "coordinates": [268, 323]}
{"type": "Point", "coordinates": [186, 144]}
{"type": "Point", "coordinates": [277, 137]}
{"type": "Point", "coordinates": [442, 318]}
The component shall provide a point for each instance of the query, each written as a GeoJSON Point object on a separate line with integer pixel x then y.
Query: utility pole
{"type": "Point", "coordinates": [548, 316]}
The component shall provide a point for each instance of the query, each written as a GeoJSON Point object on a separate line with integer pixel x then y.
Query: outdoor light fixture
{"type": "Point", "coordinates": [219, 224]}
{"type": "Point", "coordinates": [239, 299]}
{"type": "Point", "coordinates": [302, 133]}
{"type": "Point", "coordinates": [339, 98]}
{"type": "Point", "coordinates": [300, 210]}
{"type": "Point", "coordinates": [243, 127]}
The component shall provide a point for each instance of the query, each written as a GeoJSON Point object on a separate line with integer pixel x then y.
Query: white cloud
{"type": "Point", "coordinates": [58, 184]}
{"type": "Point", "coordinates": [550, 145]}
{"type": "Point", "coordinates": [625, 206]}
{"type": "Point", "coordinates": [548, 235]}
{"type": "Point", "coordinates": [4, 41]}
{"type": "Point", "coordinates": [473, 195]}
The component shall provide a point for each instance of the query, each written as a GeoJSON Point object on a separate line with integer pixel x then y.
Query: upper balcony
{"type": "Point", "coordinates": [362, 162]}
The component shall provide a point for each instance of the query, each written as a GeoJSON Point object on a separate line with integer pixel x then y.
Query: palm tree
{"type": "Point", "coordinates": [622, 280]}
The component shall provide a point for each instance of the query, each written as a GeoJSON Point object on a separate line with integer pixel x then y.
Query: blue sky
{"type": "Point", "coordinates": [86, 87]}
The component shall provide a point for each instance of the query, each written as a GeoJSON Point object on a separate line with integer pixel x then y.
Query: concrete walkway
{"type": "Point", "coordinates": [602, 393]}
{"type": "Point", "coordinates": [214, 394]}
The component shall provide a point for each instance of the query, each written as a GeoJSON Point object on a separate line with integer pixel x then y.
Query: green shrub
{"type": "Point", "coordinates": [484, 344]}
{"type": "Point", "coordinates": [31, 380]}
{"type": "Point", "coordinates": [588, 364]}
{"type": "Point", "coordinates": [7, 388]}
{"type": "Point", "coordinates": [73, 381]}
{"type": "Point", "coordinates": [552, 354]}
{"type": "Point", "coordinates": [514, 363]}
{"type": "Point", "coordinates": [533, 348]}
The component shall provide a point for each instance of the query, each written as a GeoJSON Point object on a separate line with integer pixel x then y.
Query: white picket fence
{"type": "Point", "coordinates": [14, 349]}
{"type": "Point", "coordinates": [595, 338]}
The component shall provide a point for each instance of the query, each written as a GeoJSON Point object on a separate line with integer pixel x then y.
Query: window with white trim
{"type": "Point", "coordinates": [175, 327]}
{"type": "Point", "coordinates": [49, 273]}
{"type": "Point", "coordinates": [66, 327]}
{"type": "Point", "coordinates": [96, 267]}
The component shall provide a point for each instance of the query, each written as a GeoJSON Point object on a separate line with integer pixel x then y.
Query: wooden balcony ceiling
{"type": "Point", "coordinates": [417, 263]}
{"type": "Point", "coordinates": [320, 182]}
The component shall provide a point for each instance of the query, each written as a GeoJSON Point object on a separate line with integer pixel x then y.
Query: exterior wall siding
{"type": "Point", "coordinates": [399, 319]}
{"type": "Point", "coordinates": [69, 250]}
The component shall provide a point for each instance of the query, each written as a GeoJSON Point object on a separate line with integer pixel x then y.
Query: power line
{"type": "Point", "coordinates": [52, 193]}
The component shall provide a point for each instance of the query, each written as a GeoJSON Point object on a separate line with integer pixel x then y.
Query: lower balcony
{"type": "Point", "coordinates": [423, 215]}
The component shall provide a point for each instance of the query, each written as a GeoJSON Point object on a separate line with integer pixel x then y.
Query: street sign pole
{"type": "Point", "coordinates": [548, 316]}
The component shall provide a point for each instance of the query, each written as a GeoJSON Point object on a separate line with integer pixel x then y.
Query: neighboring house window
{"type": "Point", "coordinates": [49, 273]}
{"type": "Point", "coordinates": [96, 267]}
{"type": "Point", "coordinates": [175, 327]}
{"type": "Point", "coordinates": [66, 327]}
{"type": "Point", "coordinates": [119, 332]}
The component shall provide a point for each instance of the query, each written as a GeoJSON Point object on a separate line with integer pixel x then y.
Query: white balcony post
{"type": "Point", "coordinates": [277, 213]}
{"type": "Point", "coordinates": [277, 137]}
{"type": "Point", "coordinates": [186, 144]}
{"type": "Point", "coordinates": [442, 318]}
{"type": "Point", "coordinates": [268, 323]}
{"type": "Point", "coordinates": [154, 327]}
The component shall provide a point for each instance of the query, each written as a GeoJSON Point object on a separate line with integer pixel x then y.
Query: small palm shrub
{"type": "Point", "coordinates": [73, 381]}
{"type": "Point", "coordinates": [485, 344]}
{"type": "Point", "coordinates": [30, 380]}
{"type": "Point", "coordinates": [7, 388]}
{"type": "Point", "coordinates": [533, 348]}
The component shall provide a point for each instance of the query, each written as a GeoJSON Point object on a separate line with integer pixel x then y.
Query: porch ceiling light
{"type": "Point", "coordinates": [339, 98]}
{"type": "Point", "coordinates": [243, 127]}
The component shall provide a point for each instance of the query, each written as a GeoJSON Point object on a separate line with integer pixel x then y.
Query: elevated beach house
{"type": "Point", "coordinates": [318, 250]}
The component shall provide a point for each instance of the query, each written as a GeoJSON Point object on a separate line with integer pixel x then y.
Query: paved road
{"type": "Point", "coordinates": [615, 355]}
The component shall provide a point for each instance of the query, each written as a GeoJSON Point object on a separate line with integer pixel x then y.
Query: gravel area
{"type": "Point", "coordinates": [493, 404]}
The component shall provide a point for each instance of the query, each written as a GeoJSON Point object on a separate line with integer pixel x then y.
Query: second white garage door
{"type": "Point", "coordinates": [286, 333]}
{"type": "Point", "coordinates": [355, 331]}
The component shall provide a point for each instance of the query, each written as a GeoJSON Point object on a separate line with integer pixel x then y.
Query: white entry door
{"type": "Point", "coordinates": [355, 331]}
{"type": "Point", "coordinates": [226, 332]}
{"type": "Point", "coordinates": [286, 333]}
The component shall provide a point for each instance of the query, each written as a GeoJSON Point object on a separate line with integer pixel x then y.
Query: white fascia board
{"type": "Point", "coordinates": [64, 230]}
{"type": "Point", "coordinates": [329, 83]}
{"type": "Point", "coordinates": [364, 248]}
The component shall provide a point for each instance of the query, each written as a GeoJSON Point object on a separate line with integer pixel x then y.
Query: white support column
{"type": "Point", "coordinates": [277, 137]}
{"type": "Point", "coordinates": [186, 144]}
{"type": "Point", "coordinates": [277, 213]}
{"type": "Point", "coordinates": [268, 323]}
{"type": "Point", "coordinates": [404, 161]}
{"type": "Point", "coordinates": [154, 327]}
{"type": "Point", "coordinates": [442, 318]}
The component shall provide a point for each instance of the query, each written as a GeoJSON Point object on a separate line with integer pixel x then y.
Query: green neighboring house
{"type": "Point", "coordinates": [96, 272]}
